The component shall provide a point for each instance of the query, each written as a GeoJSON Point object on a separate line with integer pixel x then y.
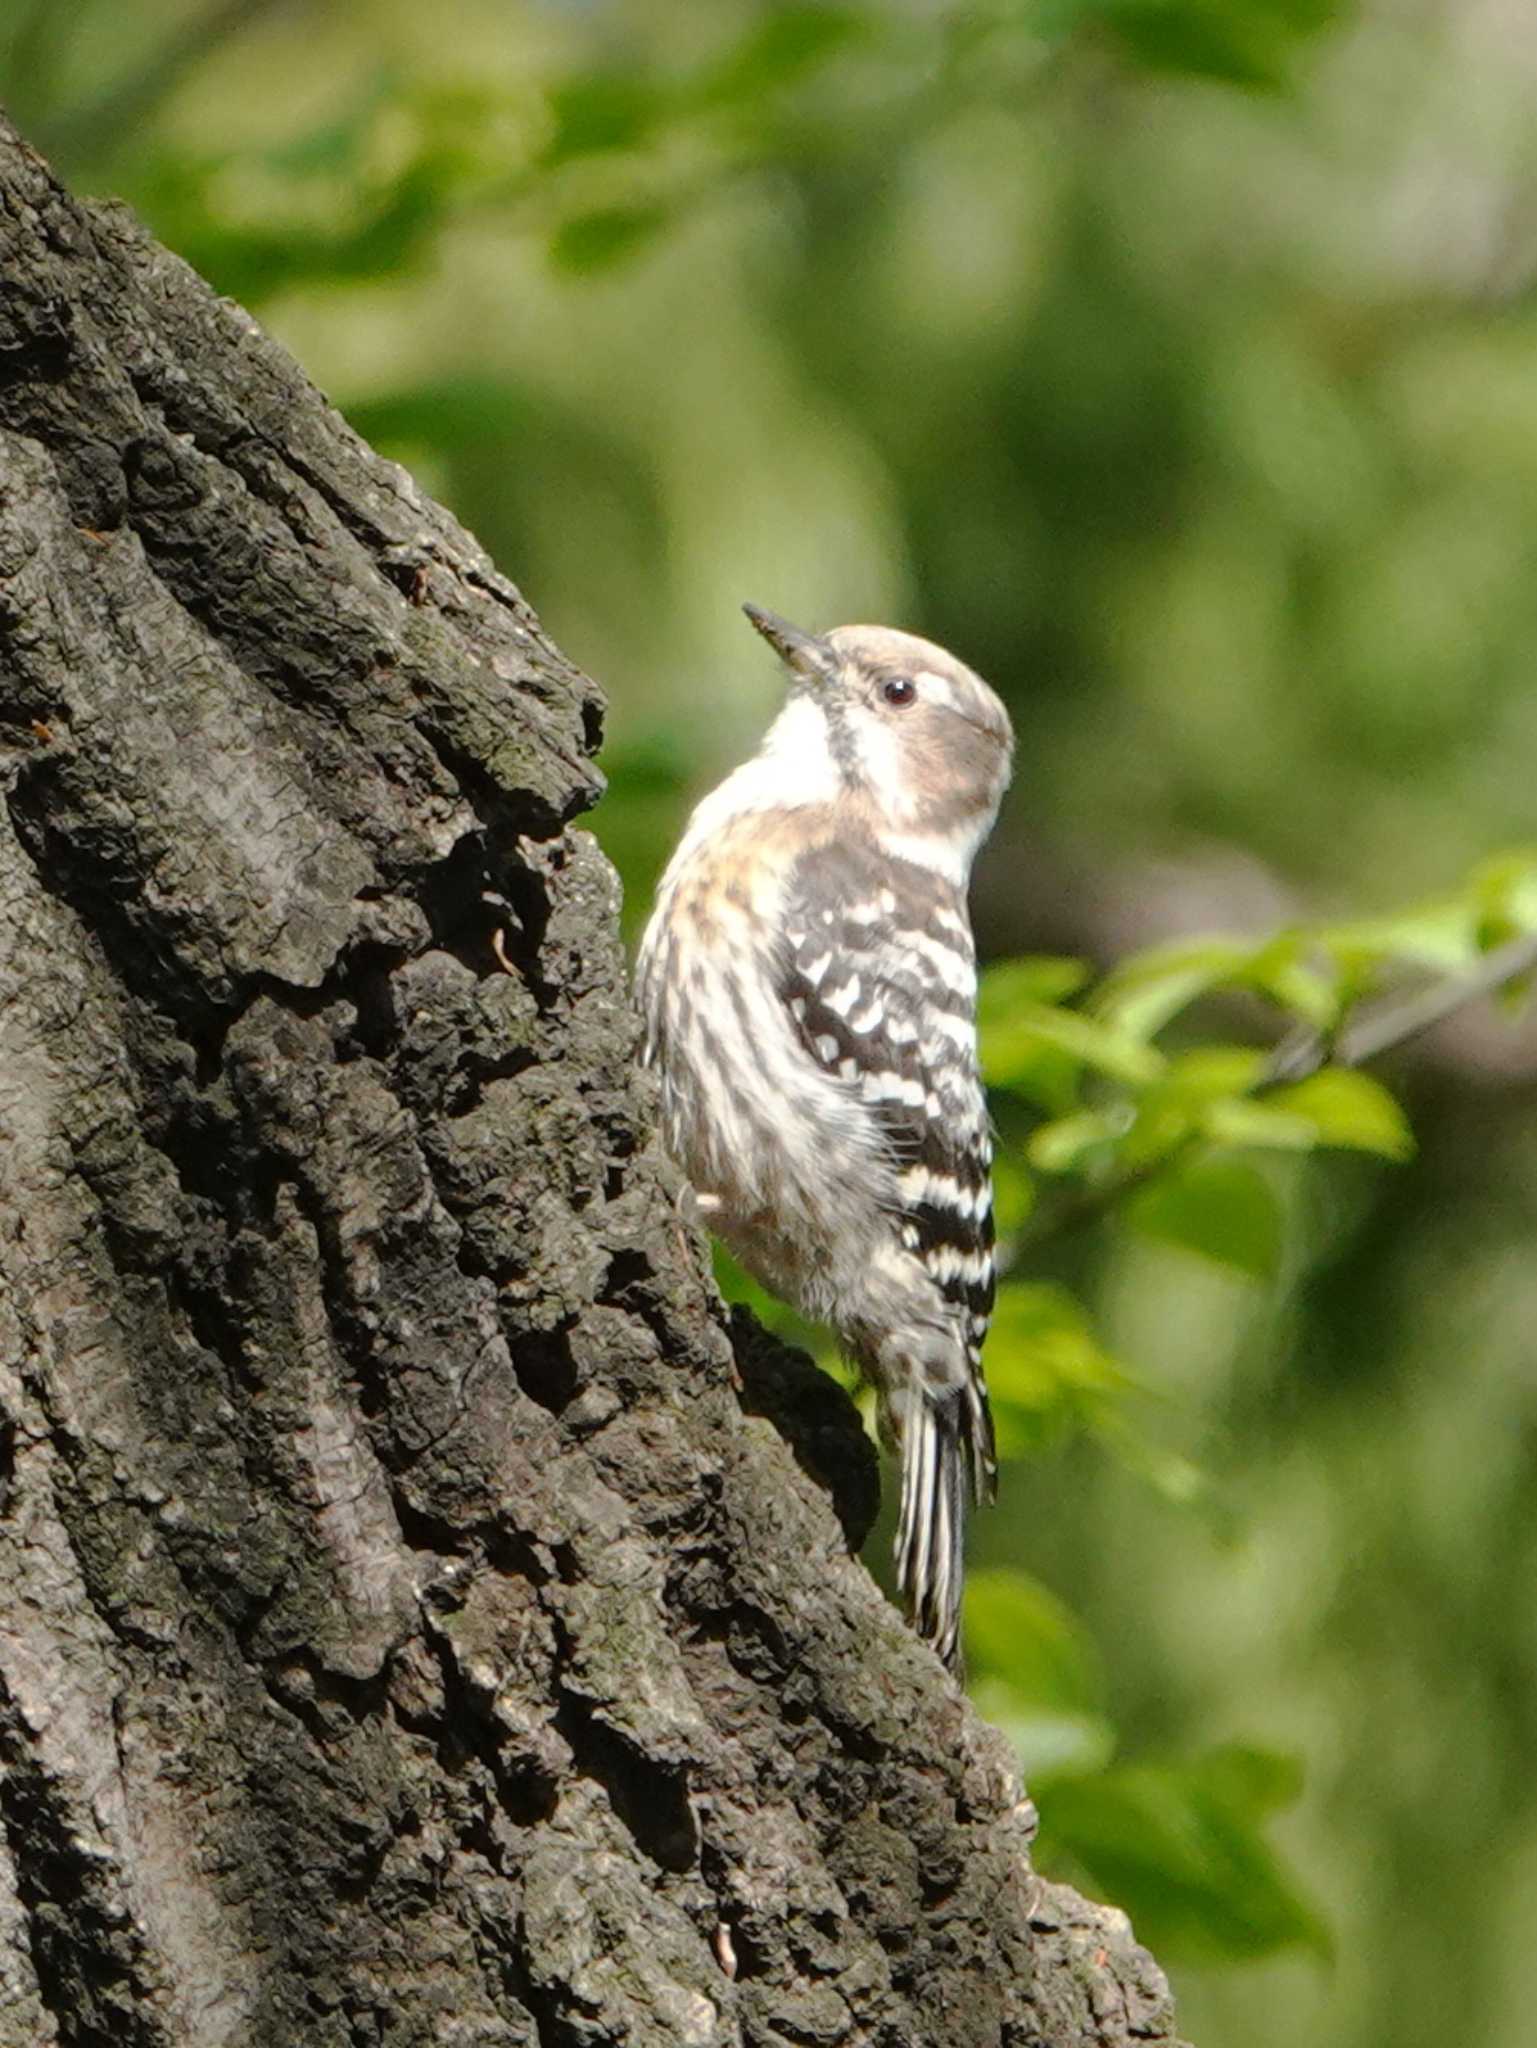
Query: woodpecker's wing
{"type": "Point", "coordinates": [879, 977]}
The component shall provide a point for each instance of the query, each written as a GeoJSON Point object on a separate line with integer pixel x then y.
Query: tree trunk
{"type": "Point", "coordinates": [417, 1627]}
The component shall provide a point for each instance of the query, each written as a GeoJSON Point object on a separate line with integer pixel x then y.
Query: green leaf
{"type": "Point", "coordinates": [1182, 1848]}
{"type": "Point", "coordinates": [597, 112]}
{"type": "Point", "coordinates": [792, 40]}
{"type": "Point", "coordinates": [1042, 1075]}
{"type": "Point", "coordinates": [1195, 1090]}
{"type": "Point", "coordinates": [1065, 1143]}
{"type": "Point", "coordinates": [1013, 1196]}
{"type": "Point", "coordinates": [1261, 1124]}
{"type": "Point", "coordinates": [1048, 1744]}
{"type": "Point", "coordinates": [606, 235]}
{"type": "Point", "coordinates": [1011, 1043]}
{"type": "Point", "coordinates": [1028, 978]}
{"type": "Point", "coordinates": [1280, 970]}
{"type": "Point", "coordinates": [445, 413]}
{"type": "Point", "coordinates": [1035, 1673]}
{"type": "Point", "coordinates": [1047, 1371]}
{"type": "Point", "coordinates": [1253, 43]}
{"type": "Point", "coordinates": [1220, 1208]}
{"type": "Point", "coordinates": [1017, 1630]}
{"type": "Point", "coordinates": [1206, 1075]}
{"type": "Point", "coordinates": [1146, 991]}
{"type": "Point", "coordinates": [1506, 892]}
{"type": "Point", "coordinates": [1348, 1108]}
{"type": "Point", "coordinates": [1441, 935]}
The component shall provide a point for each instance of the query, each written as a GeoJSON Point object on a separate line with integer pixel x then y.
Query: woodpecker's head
{"type": "Point", "coordinates": [896, 723]}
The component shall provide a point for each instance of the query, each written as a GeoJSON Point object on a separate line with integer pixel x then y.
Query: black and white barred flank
{"type": "Point", "coordinates": [809, 985]}
{"type": "Point", "coordinates": [880, 979]}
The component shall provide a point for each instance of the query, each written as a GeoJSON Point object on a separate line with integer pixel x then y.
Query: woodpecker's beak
{"type": "Point", "coordinates": [803, 654]}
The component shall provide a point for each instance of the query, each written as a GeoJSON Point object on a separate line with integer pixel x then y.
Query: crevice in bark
{"type": "Point", "coordinates": [652, 1802]}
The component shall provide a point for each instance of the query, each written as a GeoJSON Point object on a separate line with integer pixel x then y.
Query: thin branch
{"type": "Point", "coordinates": [1387, 1025]}
{"type": "Point", "coordinates": [1381, 1028]}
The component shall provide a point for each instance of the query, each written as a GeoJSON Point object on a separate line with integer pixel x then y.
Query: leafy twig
{"type": "Point", "coordinates": [1380, 1028]}
{"type": "Point", "coordinates": [1385, 1026]}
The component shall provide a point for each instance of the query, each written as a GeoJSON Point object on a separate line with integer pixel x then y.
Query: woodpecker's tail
{"type": "Point", "coordinates": [947, 1452]}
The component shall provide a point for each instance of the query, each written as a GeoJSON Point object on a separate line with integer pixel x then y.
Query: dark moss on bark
{"type": "Point", "coordinates": [418, 1628]}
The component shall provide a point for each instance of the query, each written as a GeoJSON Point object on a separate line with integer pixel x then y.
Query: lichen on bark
{"type": "Point", "coordinates": [418, 1627]}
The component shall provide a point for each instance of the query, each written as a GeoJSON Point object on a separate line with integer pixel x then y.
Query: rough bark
{"type": "Point", "coordinates": [416, 1627]}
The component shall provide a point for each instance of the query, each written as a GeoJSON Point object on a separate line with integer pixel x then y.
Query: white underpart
{"type": "Point", "coordinates": [949, 854]}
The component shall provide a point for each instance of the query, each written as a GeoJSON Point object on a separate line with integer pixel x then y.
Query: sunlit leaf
{"type": "Point", "coordinates": [1208, 1073]}
{"type": "Point", "coordinates": [1348, 1108]}
{"type": "Point", "coordinates": [334, 145]}
{"type": "Point", "coordinates": [1012, 1039]}
{"type": "Point", "coordinates": [1148, 989]}
{"type": "Point", "coordinates": [1182, 1847]}
{"type": "Point", "coordinates": [1064, 1144]}
{"type": "Point", "coordinates": [1506, 891]}
{"type": "Point", "coordinates": [1263, 1124]}
{"type": "Point", "coordinates": [1441, 935]}
{"type": "Point", "coordinates": [1028, 978]}
{"type": "Point", "coordinates": [1283, 971]}
{"type": "Point", "coordinates": [1220, 1208]}
{"type": "Point", "coordinates": [1189, 1100]}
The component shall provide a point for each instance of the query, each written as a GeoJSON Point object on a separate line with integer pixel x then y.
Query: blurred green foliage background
{"type": "Point", "coordinates": [1175, 361]}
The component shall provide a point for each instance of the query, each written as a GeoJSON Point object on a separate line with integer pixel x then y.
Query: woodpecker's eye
{"type": "Point", "coordinates": [899, 690]}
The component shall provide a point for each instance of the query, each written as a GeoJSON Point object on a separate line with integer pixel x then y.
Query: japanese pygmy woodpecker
{"type": "Point", "coordinates": [808, 983]}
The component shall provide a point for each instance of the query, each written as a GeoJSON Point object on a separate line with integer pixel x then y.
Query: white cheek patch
{"type": "Point", "coordinates": [799, 739]}
{"type": "Point", "coordinates": [881, 764]}
{"type": "Point", "coordinates": [937, 688]}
